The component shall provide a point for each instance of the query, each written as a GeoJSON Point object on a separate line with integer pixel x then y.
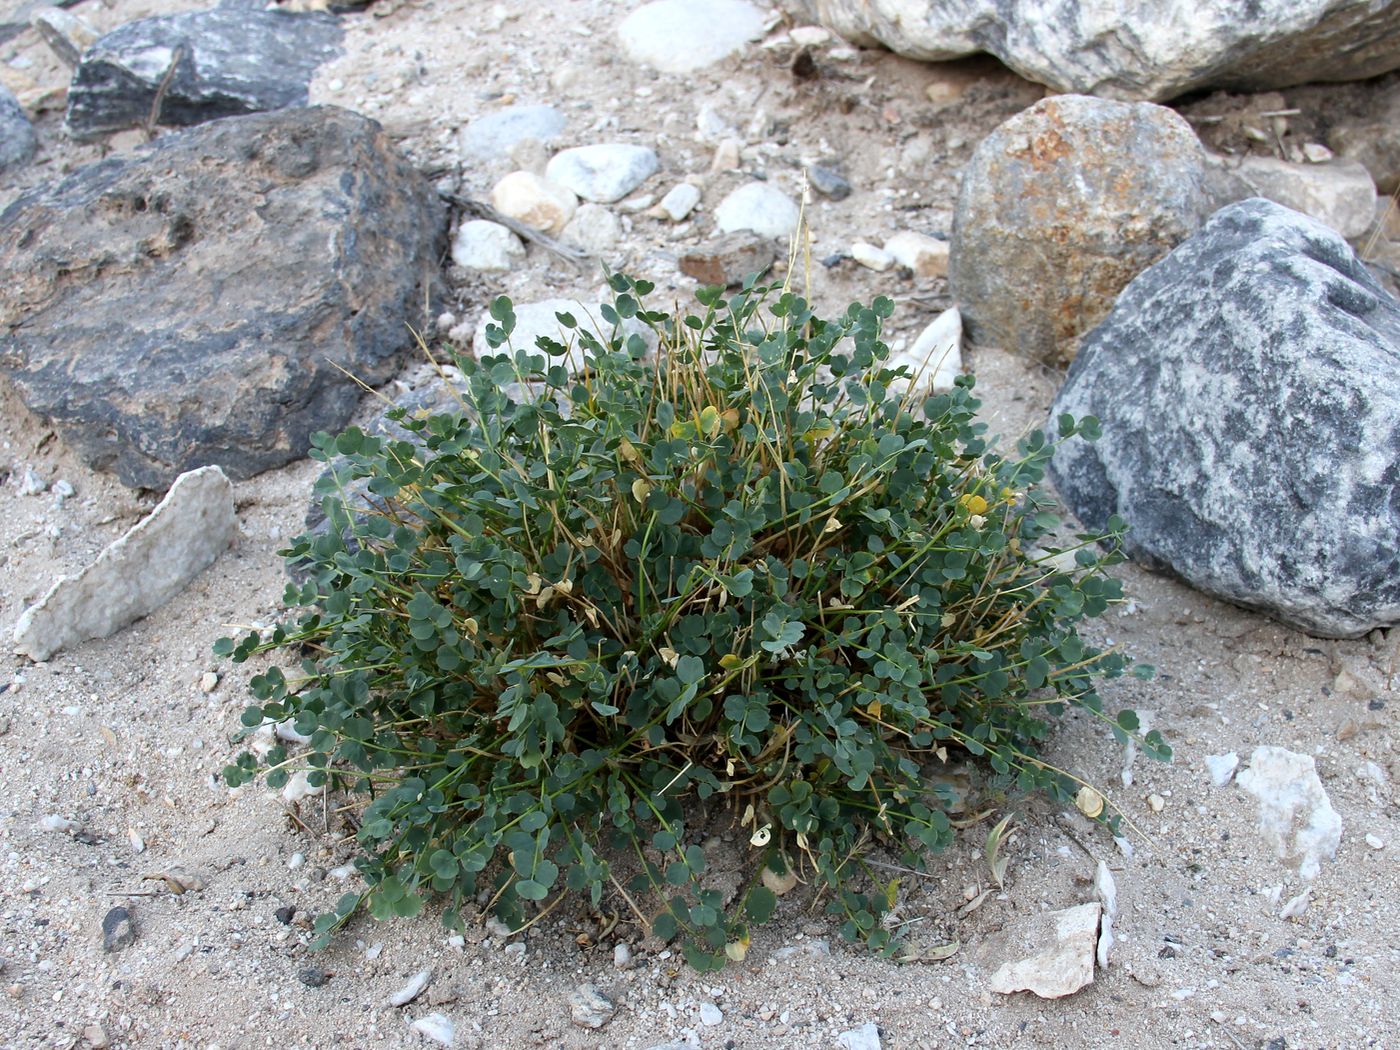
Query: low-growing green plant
{"type": "Point", "coordinates": [752, 570]}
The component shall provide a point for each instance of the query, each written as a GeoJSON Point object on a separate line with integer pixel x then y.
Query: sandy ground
{"type": "Point", "coordinates": [118, 736]}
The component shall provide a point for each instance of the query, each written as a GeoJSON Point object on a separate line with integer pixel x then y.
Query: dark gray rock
{"type": "Point", "coordinates": [1060, 207]}
{"type": "Point", "coordinates": [17, 139]}
{"type": "Point", "coordinates": [118, 930]}
{"type": "Point", "coordinates": [829, 182]}
{"type": "Point", "coordinates": [1248, 388]}
{"type": "Point", "coordinates": [1145, 50]}
{"type": "Point", "coordinates": [227, 62]}
{"type": "Point", "coordinates": [195, 301]}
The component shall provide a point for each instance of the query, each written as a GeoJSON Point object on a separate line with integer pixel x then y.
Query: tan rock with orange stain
{"type": "Point", "coordinates": [1060, 208]}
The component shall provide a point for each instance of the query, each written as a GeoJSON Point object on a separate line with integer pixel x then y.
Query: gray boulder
{"type": "Point", "coordinates": [194, 302]}
{"type": "Point", "coordinates": [1060, 207]}
{"type": "Point", "coordinates": [1373, 140]}
{"type": "Point", "coordinates": [1148, 50]}
{"type": "Point", "coordinates": [17, 139]}
{"type": "Point", "coordinates": [226, 62]}
{"type": "Point", "coordinates": [1248, 387]}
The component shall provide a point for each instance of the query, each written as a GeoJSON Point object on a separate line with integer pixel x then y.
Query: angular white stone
{"type": "Point", "coordinates": [1295, 815]}
{"type": "Point", "coordinates": [1063, 969]}
{"type": "Point", "coordinates": [678, 36]}
{"type": "Point", "coordinates": [138, 573]}
{"type": "Point", "coordinates": [483, 245]}
{"type": "Point", "coordinates": [412, 990]}
{"type": "Point", "coordinates": [604, 172]}
{"type": "Point", "coordinates": [936, 356]}
{"type": "Point", "coordinates": [926, 256]}
{"type": "Point", "coordinates": [867, 1036]}
{"type": "Point", "coordinates": [298, 787]}
{"type": "Point", "coordinates": [757, 206]}
{"type": "Point", "coordinates": [873, 258]}
{"type": "Point", "coordinates": [1341, 194]}
{"type": "Point", "coordinates": [593, 228]}
{"type": "Point", "coordinates": [680, 201]}
{"type": "Point", "coordinates": [437, 1027]}
{"type": "Point", "coordinates": [1222, 768]}
{"type": "Point", "coordinates": [535, 201]}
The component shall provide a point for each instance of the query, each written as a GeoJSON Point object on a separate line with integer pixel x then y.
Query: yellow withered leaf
{"type": "Point", "coordinates": [1089, 801]}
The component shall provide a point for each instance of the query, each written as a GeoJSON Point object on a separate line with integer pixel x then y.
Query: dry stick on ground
{"type": "Point", "coordinates": [482, 210]}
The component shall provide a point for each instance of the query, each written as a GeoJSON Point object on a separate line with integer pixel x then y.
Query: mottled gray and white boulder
{"type": "Point", "coordinates": [194, 302]}
{"type": "Point", "coordinates": [1060, 207]}
{"type": "Point", "coordinates": [17, 139]}
{"type": "Point", "coordinates": [226, 62]}
{"type": "Point", "coordinates": [1138, 50]}
{"type": "Point", "coordinates": [1248, 387]}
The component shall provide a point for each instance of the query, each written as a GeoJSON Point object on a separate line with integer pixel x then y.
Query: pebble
{"type": "Point", "coordinates": [590, 1008]}
{"type": "Point", "coordinates": [31, 484]}
{"type": "Point", "coordinates": [535, 201]}
{"type": "Point", "coordinates": [1222, 768]}
{"type": "Point", "coordinates": [437, 1027]}
{"type": "Point", "coordinates": [710, 1014]}
{"type": "Point", "coordinates": [67, 36]}
{"type": "Point", "coordinates": [828, 182]}
{"type": "Point", "coordinates": [492, 136]}
{"type": "Point", "coordinates": [208, 681]}
{"type": "Point", "coordinates": [298, 787]}
{"type": "Point", "coordinates": [412, 990]}
{"type": "Point", "coordinates": [809, 36]}
{"type": "Point", "coordinates": [680, 36]}
{"type": "Point", "coordinates": [118, 930]}
{"type": "Point", "coordinates": [760, 208]}
{"type": "Point", "coordinates": [96, 1037]}
{"type": "Point", "coordinates": [1317, 153]}
{"type": "Point", "coordinates": [926, 256]}
{"type": "Point", "coordinates": [866, 1037]}
{"type": "Point", "coordinates": [134, 839]}
{"type": "Point", "coordinates": [1156, 803]}
{"type": "Point", "coordinates": [482, 245]}
{"type": "Point", "coordinates": [63, 489]}
{"type": "Point", "coordinates": [593, 228]}
{"type": "Point", "coordinates": [727, 156]}
{"type": "Point", "coordinates": [680, 201]}
{"type": "Point", "coordinates": [285, 914]}
{"type": "Point", "coordinates": [313, 976]}
{"type": "Point", "coordinates": [54, 822]}
{"type": "Point", "coordinates": [604, 172]}
{"type": "Point", "coordinates": [936, 356]}
{"type": "Point", "coordinates": [622, 956]}
{"type": "Point", "coordinates": [873, 258]}
{"type": "Point", "coordinates": [1374, 841]}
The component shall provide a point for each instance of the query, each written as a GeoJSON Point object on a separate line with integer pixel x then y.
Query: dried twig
{"type": "Point", "coordinates": [482, 210]}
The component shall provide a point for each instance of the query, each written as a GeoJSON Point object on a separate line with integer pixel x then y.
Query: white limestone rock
{"type": "Point", "coordinates": [1341, 194]}
{"type": "Point", "coordinates": [138, 573]}
{"type": "Point", "coordinates": [1066, 965]}
{"type": "Point", "coordinates": [926, 256]}
{"type": "Point", "coordinates": [680, 36]}
{"type": "Point", "coordinates": [604, 172]}
{"type": "Point", "coordinates": [1295, 815]}
{"type": "Point", "coordinates": [535, 201]}
{"type": "Point", "coordinates": [760, 207]}
{"type": "Point", "coordinates": [489, 246]}
{"type": "Point", "coordinates": [1138, 50]}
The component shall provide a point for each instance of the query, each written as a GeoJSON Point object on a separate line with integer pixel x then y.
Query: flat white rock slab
{"type": "Point", "coordinates": [1066, 966]}
{"type": "Point", "coordinates": [138, 573]}
{"type": "Point", "coordinates": [678, 36]}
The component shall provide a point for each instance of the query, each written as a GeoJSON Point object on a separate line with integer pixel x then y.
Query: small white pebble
{"type": "Point", "coordinates": [870, 256]}
{"type": "Point", "coordinates": [710, 1014]}
{"type": "Point", "coordinates": [1156, 802]}
{"type": "Point", "coordinates": [1374, 841]}
{"type": "Point", "coordinates": [208, 681]}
